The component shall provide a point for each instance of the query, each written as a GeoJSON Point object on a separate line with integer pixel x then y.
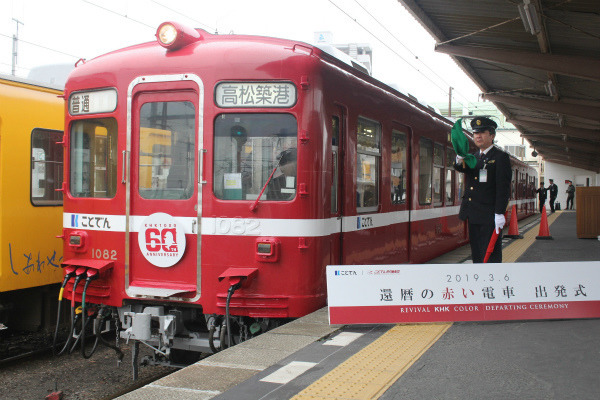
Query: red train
{"type": "Point", "coordinates": [208, 176]}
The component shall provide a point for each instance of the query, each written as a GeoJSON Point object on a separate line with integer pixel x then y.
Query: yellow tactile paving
{"type": "Point", "coordinates": [514, 250]}
{"type": "Point", "coordinates": [371, 371]}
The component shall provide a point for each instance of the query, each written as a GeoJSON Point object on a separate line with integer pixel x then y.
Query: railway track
{"type": "Point", "coordinates": [33, 373]}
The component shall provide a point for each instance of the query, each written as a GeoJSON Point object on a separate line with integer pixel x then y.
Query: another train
{"type": "Point", "coordinates": [210, 179]}
{"type": "Point", "coordinates": [31, 174]}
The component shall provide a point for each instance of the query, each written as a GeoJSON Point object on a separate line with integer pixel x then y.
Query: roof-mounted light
{"type": "Point", "coordinates": [173, 36]}
{"type": "Point", "coordinates": [166, 34]}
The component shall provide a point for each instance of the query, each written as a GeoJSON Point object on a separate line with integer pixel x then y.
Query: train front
{"type": "Point", "coordinates": [180, 172]}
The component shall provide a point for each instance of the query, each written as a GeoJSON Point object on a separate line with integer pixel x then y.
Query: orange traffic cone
{"type": "Point", "coordinates": [513, 229]}
{"type": "Point", "coordinates": [544, 231]}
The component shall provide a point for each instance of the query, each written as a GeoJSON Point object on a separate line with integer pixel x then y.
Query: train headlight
{"type": "Point", "coordinates": [166, 34]}
{"type": "Point", "coordinates": [173, 36]}
{"type": "Point", "coordinates": [267, 249]}
{"type": "Point", "coordinates": [75, 240]}
{"type": "Point", "coordinates": [264, 249]}
{"type": "Point", "coordinates": [78, 241]}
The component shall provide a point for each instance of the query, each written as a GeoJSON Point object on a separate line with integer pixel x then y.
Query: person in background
{"type": "Point", "coordinates": [553, 189]}
{"type": "Point", "coordinates": [487, 191]}
{"type": "Point", "coordinates": [541, 191]}
{"type": "Point", "coordinates": [570, 195]}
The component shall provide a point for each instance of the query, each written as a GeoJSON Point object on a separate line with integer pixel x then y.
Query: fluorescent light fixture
{"type": "Point", "coordinates": [550, 89]}
{"type": "Point", "coordinates": [529, 17]}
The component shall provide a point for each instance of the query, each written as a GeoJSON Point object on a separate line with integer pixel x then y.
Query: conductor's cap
{"type": "Point", "coordinates": [481, 124]}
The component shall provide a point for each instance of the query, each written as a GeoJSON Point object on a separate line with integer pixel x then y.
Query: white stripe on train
{"type": "Point", "coordinates": [266, 227]}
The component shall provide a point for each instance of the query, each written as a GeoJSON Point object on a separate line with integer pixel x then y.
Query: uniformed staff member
{"type": "Point", "coordinates": [487, 191]}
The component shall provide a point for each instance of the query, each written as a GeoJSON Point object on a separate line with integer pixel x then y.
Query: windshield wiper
{"type": "Point", "coordinates": [255, 204]}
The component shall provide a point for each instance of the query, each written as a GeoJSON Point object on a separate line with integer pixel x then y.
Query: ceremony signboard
{"type": "Point", "coordinates": [370, 294]}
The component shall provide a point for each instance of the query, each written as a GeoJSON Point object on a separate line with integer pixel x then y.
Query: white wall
{"type": "Point", "coordinates": [561, 173]}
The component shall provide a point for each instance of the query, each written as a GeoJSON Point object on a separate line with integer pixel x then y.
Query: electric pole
{"type": "Point", "coordinates": [450, 102]}
{"type": "Point", "coordinates": [15, 47]}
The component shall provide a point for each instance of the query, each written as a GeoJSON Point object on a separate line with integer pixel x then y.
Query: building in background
{"type": "Point", "coordinates": [359, 52]}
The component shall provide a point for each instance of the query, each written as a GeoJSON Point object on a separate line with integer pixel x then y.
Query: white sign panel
{"type": "Point", "coordinates": [463, 292]}
{"type": "Point", "coordinates": [93, 102]}
{"type": "Point", "coordinates": [255, 94]}
{"type": "Point", "coordinates": [162, 240]}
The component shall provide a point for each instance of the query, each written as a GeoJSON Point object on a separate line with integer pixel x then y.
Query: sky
{"type": "Point", "coordinates": [63, 31]}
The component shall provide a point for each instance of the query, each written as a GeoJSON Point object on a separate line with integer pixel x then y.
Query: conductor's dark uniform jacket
{"type": "Point", "coordinates": [482, 200]}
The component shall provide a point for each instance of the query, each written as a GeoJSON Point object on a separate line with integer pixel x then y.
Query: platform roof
{"type": "Point", "coordinates": [546, 81]}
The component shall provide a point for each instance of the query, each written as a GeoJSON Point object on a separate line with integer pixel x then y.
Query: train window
{"type": "Point", "coordinates": [368, 156]}
{"type": "Point", "coordinates": [425, 170]}
{"type": "Point", "coordinates": [167, 150]}
{"type": "Point", "coordinates": [438, 173]}
{"type": "Point", "coordinates": [450, 174]}
{"type": "Point", "coordinates": [249, 148]}
{"type": "Point", "coordinates": [513, 184]}
{"type": "Point", "coordinates": [398, 172]}
{"type": "Point", "coordinates": [46, 167]}
{"type": "Point", "coordinates": [94, 158]}
{"type": "Point", "coordinates": [335, 139]}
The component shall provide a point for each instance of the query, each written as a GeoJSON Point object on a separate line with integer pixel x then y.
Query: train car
{"type": "Point", "coordinates": [210, 179]}
{"type": "Point", "coordinates": [31, 152]}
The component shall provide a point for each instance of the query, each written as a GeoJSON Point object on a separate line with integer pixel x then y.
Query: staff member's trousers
{"type": "Point", "coordinates": [480, 235]}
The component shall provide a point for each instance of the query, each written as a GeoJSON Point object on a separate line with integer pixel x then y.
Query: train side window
{"type": "Point", "coordinates": [438, 173]}
{"type": "Point", "coordinates": [450, 176]}
{"type": "Point", "coordinates": [335, 142]}
{"type": "Point", "coordinates": [251, 148]}
{"type": "Point", "coordinates": [513, 184]}
{"type": "Point", "coordinates": [46, 167]}
{"type": "Point", "coordinates": [367, 164]}
{"type": "Point", "coordinates": [398, 167]}
{"type": "Point", "coordinates": [425, 170]}
{"type": "Point", "coordinates": [94, 158]}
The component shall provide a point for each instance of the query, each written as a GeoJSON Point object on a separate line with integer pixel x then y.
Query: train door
{"type": "Point", "coordinates": [338, 128]}
{"type": "Point", "coordinates": [400, 193]}
{"type": "Point", "coordinates": [163, 189]}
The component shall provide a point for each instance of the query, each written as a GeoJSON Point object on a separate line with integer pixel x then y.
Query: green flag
{"type": "Point", "coordinates": [461, 144]}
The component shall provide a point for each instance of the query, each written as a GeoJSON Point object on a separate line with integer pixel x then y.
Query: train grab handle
{"type": "Point", "coordinates": [201, 179]}
{"type": "Point", "coordinates": [125, 167]}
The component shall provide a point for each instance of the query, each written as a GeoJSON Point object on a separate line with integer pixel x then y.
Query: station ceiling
{"type": "Point", "coordinates": [544, 78]}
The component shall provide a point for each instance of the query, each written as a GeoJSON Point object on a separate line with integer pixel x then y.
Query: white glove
{"type": "Point", "coordinates": [499, 220]}
{"type": "Point", "coordinates": [459, 158]}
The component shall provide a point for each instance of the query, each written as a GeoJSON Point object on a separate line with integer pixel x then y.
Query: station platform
{"type": "Point", "coordinates": [310, 359]}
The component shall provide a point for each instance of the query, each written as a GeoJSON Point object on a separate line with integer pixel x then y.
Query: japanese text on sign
{"type": "Point", "coordinates": [255, 94]}
{"type": "Point", "coordinates": [463, 292]}
{"type": "Point", "coordinates": [98, 101]}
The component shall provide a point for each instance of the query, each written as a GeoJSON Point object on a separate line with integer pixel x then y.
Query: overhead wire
{"type": "Point", "coordinates": [43, 47]}
{"type": "Point", "coordinates": [186, 16]}
{"type": "Point", "coordinates": [443, 89]}
{"type": "Point", "coordinates": [403, 45]}
{"type": "Point", "coordinates": [121, 15]}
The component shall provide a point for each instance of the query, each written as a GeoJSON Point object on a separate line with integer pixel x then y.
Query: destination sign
{"type": "Point", "coordinates": [93, 102]}
{"type": "Point", "coordinates": [255, 94]}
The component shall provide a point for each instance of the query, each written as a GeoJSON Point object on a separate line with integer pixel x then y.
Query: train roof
{"type": "Point", "coordinates": [324, 52]}
{"type": "Point", "coordinates": [129, 57]}
{"type": "Point", "coordinates": [32, 83]}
